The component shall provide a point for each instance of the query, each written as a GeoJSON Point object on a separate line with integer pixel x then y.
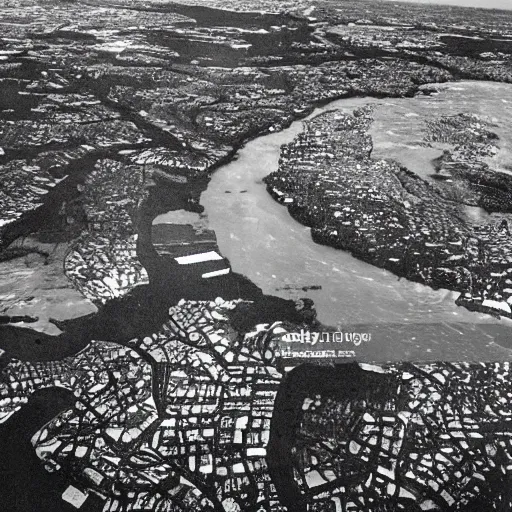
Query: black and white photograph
{"type": "Point", "coordinates": [255, 255]}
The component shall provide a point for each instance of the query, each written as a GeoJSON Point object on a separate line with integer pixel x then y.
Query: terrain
{"type": "Point", "coordinates": [113, 114]}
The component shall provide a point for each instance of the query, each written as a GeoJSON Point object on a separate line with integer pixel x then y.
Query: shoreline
{"type": "Point", "coordinates": [305, 105]}
{"type": "Point", "coordinates": [300, 210]}
{"type": "Point", "coordinates": [147, 213]}
{"type": "Point", "coordinates": [13, 230]}
{"type": "Point", "coordinates": [179, 390]}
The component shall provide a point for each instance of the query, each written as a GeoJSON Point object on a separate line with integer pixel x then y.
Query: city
{"type": "Point", "coordinates": [143, 367]}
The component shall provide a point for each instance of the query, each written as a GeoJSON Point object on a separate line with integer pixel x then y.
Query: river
{"type": "Point", "coordinates": [408, 321]}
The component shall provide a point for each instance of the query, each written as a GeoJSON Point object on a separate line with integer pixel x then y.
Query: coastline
{"type": "Point", "coordinates": [179, 388]}
{"type": "Point", "coordinates": [281, 188]}
{"type": "Point", "coordinates": [166, 286]}
{"type": "Point", "coordinates": [150, 208]}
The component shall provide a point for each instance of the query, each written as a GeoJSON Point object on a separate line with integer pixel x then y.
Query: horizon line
{"type": "Point", "coordinates": [448, 3]}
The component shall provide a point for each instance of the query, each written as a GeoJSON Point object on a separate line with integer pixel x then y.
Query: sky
{"type": "Point", "coordinates": [489, 4]}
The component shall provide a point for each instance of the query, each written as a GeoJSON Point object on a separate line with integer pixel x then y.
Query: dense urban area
{"type": "Point", "coordinates": [139, 371]}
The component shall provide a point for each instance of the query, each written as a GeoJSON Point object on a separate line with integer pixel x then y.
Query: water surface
{"type": "Point", "coordinates": [262, 241]}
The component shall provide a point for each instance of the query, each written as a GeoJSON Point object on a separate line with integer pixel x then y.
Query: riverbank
{"type": "Point", "coordinates": [170, 281]}
{"type": "Point", "coordinates": [262, 241]}
{"type": "Point", "coordinates": [178, 412]}
{"type": "Point", "coordinates": [351, 198]}
{"type": "Point", "coordinates": [185, 100]}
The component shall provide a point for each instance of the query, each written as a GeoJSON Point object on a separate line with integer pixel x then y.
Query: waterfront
{"type": "Point", "coordinates": [114, 118]}
{"type": "Point", "coordinates": [263, 242]}
{"type": "Point", "coordinates": [399, 124]}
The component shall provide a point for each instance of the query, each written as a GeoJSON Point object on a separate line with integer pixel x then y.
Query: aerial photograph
{"type": "Point", "coordinates": [255, 255]}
